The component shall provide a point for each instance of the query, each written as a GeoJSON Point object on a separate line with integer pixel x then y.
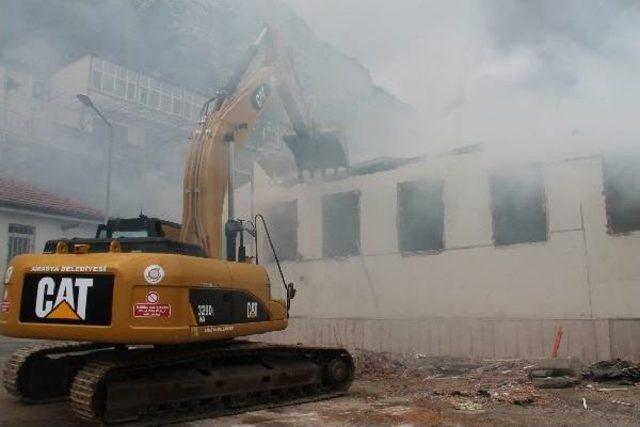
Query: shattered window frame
{"type": "Point", "coordinates": [341, 234]}
{"type": "Point", "coordinates": [620, 182]}
{"type": "Point", "coordinates": [514, 222]}
{"type": "Point", "coordinates": [420, 226]}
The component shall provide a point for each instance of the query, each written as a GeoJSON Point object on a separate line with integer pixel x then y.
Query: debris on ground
{"type": "Point", "coordinates": [568, 372]}
{"type": "Point", "coordinates": [371, 363]}
{"type": "Point", "coordinates": [523, 394]}
{"type": "Point", "coordinates": [619, 371]}
{"type": "Point", "coordinates": [620, 402]}
{"type": "Point", "coordinates": [611, 389]}
{"type": "Point", "coordinates": [561, 372]}
{"type": "Point", "coordinates": [482, 389]}
{"type": "Point", "coordinates": [555, 381]}
{"type": "Point", "coordinates": [421, 390]}
{"type": "Point", "coordinates": [462, 404]}
{"type": "Point", "coordinates": [467, 385]}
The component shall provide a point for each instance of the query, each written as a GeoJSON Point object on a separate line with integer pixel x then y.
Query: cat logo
{"type": "Point", "coordinates": [66, 299]}
{"type": "Point", "coordinates": [252, 310]}
{"type": "Point", "coordinates": [260, 96]}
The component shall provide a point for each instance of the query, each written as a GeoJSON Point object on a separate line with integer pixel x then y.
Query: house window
{"type": "Point", "coordinates": [176, 100]}
{"type": "Point", "coordinates": [114, 79]}
{"type": "Point", "coordinates": [420, 217]}
{"type": "Point", "coordinates": [284, 225]}
{"type": "Point", "coordinates": [97, 73]}
{"type": "Point", "coordinates": [154, 93]}
{"type": "Point", "coordinates": [518, 207]}
{"type": "Point", "coordinates": [341, 224]}
{"type": "Point", "coordinates": [132, 83]}
{"type": "Point", "coordinates": [165, 97]}
{"type": "Point", "coordinates": [622, 193]}
{"type": "Point", "coordinates": [192, 104]}
{"type": "Point", "coordinates": [21, 240]}
{"type": "Point", "coordinates": [188, 106]}
{"type": "Point", "coordinates": [143, 92]}
{"type": "Point", "coordinates": [121, 82]}
{"type": "Point", "coordinates": [108, 80]}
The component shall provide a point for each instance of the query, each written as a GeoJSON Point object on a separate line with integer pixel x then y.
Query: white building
{"type": "Point", "coordinates": [29, 217]}
{"type": "Point", "coordinates": [42, 120]}
{"type": "Point", "coordinates": [466, 254]}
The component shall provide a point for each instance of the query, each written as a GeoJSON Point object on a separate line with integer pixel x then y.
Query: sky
{"type": "Point", "coordinates": [516, 73]}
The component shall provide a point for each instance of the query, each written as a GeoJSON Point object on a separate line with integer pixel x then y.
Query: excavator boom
{"type": "Point", "coordinates": [234, 111]}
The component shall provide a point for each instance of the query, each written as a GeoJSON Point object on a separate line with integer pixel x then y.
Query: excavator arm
{"type": "Point", "coordinates": [228, 120]}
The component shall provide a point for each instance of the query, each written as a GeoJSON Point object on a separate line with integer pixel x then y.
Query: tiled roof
{"type": "Point", "coordinates": [20, 195]}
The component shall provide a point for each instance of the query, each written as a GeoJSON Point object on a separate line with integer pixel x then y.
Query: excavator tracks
{"type": "Point", "coordinates": [170, 384]}
{"type": "Point", "coordinates": [179, 384]}
{"type": "Point", "coordinates": [23, 377]}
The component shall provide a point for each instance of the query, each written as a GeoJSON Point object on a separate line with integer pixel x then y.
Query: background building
{"type": "Point", "coordinates": [30, 216]}
{"type": "Point", "coordinates": [46, 128]}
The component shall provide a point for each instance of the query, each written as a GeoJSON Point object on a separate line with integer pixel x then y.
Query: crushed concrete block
{"type": "Point", "coordinates": [541, 373]}
{"type": "Point", "coordinates": [555, 382]}
{"type": "Point", "coordinates": [559, 366]}
{"type": "Point", "coordinates": [558, 372]}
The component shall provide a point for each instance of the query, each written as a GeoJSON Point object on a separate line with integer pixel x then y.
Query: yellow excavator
{"type": "Point", "coordinates": [141, 319]}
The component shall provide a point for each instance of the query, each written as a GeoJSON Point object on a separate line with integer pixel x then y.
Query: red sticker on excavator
{"type": "Point", "coordinates": [145, 309]}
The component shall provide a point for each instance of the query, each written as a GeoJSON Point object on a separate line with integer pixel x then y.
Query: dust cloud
{"type": "Point", "coordinates": [521, 75]}
{"type": "Point", "coordinates": [400, 79]}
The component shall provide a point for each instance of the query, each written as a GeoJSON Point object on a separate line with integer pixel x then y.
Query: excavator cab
{"type": "Point", "coordinates": [140, 234]}
{"type": "Point", "coordinates": [142, 226]}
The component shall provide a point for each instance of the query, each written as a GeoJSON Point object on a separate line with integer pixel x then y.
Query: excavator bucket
{"type": "Point", "coordinates": [319, 151]}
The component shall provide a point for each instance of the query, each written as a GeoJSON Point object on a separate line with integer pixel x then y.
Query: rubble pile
{"type": "Point", "coordinates": [505, 382]}
{"type": "Point", "coordinates": [466, 385]}
{"type": "Point", "coordinates": [569, 371]}
{"type": "Point", "coordinates": [375, 364]}
{"type": "Point", "coordinates": [617, 370]}
{"type": "Point", "coordinates": [475, 387]}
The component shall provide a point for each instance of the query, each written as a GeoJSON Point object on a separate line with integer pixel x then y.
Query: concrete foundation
{"type": "Point", "coordinates": [590, 340]}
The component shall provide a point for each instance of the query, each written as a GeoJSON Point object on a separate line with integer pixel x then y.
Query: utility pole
{"type": "Point", "coordinates": [85, 100]}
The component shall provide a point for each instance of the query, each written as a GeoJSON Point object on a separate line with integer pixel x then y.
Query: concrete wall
{"type": "Point", "coordinates": [65, 84]}
{"type": "Point", "coordinates": [472, 297]}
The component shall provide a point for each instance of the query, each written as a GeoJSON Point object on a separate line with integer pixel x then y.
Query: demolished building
{"type": "Point", "coordinates": [465, 253]}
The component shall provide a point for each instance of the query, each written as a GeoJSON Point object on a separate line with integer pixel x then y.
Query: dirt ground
{"type": "Point", "coordinates": [413, 390]}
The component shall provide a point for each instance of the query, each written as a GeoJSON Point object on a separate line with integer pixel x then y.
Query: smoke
{"type": "Point", "coordinates": [521, 75]}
